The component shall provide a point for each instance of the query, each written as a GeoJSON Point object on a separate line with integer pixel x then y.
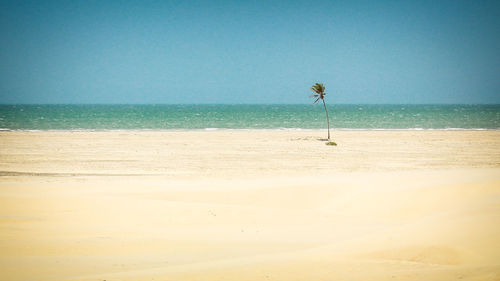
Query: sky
{"type": "Point", "coordinates": [246, 52]}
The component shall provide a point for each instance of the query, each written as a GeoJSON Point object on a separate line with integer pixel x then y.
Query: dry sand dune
{"type": "Point", "coordinates": [250, 205]}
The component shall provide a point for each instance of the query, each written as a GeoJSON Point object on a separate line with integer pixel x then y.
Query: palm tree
{"type": "Point", "coordinates": [319, 93]}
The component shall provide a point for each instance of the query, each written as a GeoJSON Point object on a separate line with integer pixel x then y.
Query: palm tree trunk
{"type": "Point", "coordinates": [327, 119]}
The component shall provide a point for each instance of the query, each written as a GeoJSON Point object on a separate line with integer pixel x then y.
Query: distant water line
{"type": "Point", "coordinates": [210, 117]}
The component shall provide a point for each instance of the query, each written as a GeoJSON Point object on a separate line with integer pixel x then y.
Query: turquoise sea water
{"type": "Point", "coordinates": [193, 117]}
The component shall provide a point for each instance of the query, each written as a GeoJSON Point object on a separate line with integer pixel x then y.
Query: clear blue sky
{"type": "Point", "coordinates": [249, 51]}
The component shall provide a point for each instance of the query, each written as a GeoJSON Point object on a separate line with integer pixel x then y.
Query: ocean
{"type": "Point", "coordinates": [213, 117]}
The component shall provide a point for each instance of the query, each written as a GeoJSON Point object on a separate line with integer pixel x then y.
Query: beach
{"type": "Point", "coordinates": [250, 205]}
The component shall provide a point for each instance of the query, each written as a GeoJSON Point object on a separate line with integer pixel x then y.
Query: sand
{"type": "Point", "coordinates": [250, 205]}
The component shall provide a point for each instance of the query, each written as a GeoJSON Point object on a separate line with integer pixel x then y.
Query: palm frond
{"type": "Point", "coordinates": [316, 100]}
{"type": "Point", "coordinates": [319, 89]}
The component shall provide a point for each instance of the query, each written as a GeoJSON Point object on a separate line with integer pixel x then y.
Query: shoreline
{"type": "Point", "coordinates": [247, 129]}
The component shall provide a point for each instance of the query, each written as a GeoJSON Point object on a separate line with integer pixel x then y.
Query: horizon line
{"type": "Point", "coordinates": [234, 104]}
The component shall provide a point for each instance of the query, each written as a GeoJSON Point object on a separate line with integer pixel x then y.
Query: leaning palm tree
{"type": "Point", "coordinates": [319, 94]}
